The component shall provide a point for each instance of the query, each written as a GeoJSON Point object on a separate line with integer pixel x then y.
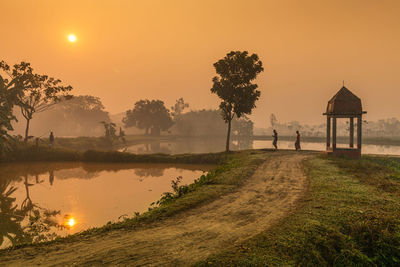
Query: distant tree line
{"type": "Point", "coordinates": [380, 128]}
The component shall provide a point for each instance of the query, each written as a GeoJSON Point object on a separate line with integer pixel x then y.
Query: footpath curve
{"type": "Point", "coordinates": [187, 237]}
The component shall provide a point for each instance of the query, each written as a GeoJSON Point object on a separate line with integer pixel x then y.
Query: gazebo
{"type": "Point", "coordinates": [344, 105]}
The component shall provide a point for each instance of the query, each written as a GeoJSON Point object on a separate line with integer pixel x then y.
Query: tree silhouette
{"type": "Point", "coordinates": [179, 107]}
{"type": "Point", "coordinates": [42, 92]}
{"type": "Point", "coordinates": [25, 224]}
{"type": "Point", "coordinates": [149, 115]}
{"type": "Point", "coordinates": [13, 82]}
{"type": "Point", "coordinates": [77, 116]}
{"type": "Point", "coordinates": [234, 85]}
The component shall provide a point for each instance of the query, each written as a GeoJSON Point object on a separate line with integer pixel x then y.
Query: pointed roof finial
{"type": "Point", "coordinates": [343, 83]}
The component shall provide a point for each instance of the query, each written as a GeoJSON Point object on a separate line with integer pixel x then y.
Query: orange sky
{"type": "Point", "coordinates": [130, 50]}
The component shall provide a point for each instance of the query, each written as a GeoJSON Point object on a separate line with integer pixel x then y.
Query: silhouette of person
{"type": "Point", "coordinates": [51, 177]}
{"type": "Point", "coordinates": [297, 143]}
{"type": "Point", "coordinates": [275, 142]}
{"type": "Point", "coordinates": [51, 139]}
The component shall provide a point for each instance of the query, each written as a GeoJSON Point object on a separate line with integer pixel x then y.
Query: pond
{"type": "Point", "coordinates": [181, 146]}
{"type": "Point", "coordinates": [40, 201]}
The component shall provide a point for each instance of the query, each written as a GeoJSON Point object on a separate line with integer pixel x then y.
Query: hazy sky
{"type": "Point", "coordinates": [131, 50]}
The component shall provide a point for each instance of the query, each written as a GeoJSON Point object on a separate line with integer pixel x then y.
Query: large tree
{"type": "Point", "coordinates": [13, 82]}
{"type": "Point", "coordinates": [149, 115]}
{"type": "Point", "coordinates": [78, 116]}
{"type": "Point", "coordinates": [43, 93]}
{"type": "Point", "coordinates": [236, 72]}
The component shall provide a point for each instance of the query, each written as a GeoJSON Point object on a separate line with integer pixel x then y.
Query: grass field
{"type": "Point", "coordinates": [350, 217]}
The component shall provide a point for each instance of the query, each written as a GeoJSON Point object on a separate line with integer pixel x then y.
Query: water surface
{"type": "Point", "coordinates": [217, 145]}
{"type": "Point", "coordinates": [39, 200]}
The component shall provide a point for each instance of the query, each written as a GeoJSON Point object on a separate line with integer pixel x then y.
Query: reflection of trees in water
{"type": "Point", "coordinates": [79, 173]}
{"type": "Point", "coordinates": [10, 216]}
{"type": "Point", "coordinates": [149, 172]}
{"type": "Point", "coordinates": [191, 145]}
{"type": "Point", "coordinates": [150, 148]}
{"type": "Point", "coordinates": [208, 145]}
{"type": "Point", "coordinates": [27, 224]}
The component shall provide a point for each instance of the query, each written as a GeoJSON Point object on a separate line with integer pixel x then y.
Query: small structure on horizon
{"type": "Point", "coordinates": [348, 106]}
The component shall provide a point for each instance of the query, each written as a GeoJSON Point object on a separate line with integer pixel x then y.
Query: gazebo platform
{"type": "Point", "coordinates": [354, 153]}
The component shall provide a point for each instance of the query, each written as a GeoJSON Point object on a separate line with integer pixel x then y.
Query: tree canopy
{"type": "Point", "coordinates": [42, 93]}
{"type": "Point", "coordinates": [236, 72]}
{"type": "Point", "coordinates": [179, 107]}
{"type": "Point", "coordinates": [149, 115]}
{"type": "Point", "coordinates": [78, 116]}
{"type": "Point", "coordinates": [13, 82]}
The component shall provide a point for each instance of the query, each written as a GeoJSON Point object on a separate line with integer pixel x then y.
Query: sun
{"type": "Point", "coordinates": [70, 221]}
{"type": "Point", "coordinates": [72, 38]}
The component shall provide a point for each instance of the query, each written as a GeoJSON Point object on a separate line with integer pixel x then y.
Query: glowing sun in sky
{"type": "Point", "coordinates": [72, 38]}
{"type": "Point", "coordinates": [70, 222]}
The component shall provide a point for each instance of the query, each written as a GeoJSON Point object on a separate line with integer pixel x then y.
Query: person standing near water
{"type": "Point", "coordinates": [51, 139]}
{"type": "Point", "coordinates": [297, 143]}
{"type": "Point", "coordinates": [275, 142]}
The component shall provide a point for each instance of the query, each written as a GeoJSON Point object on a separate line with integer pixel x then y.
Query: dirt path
{"type": "Point", "coordinates": [189, 236]}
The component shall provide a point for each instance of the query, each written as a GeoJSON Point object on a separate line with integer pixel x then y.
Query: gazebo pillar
{"type": "Point", "coordinates": [359, 131]}
{"type": "Point", "coordinates": [351, 132]}
{"type": "Point", "coordinates": [334, 133]}
{"type": "Point", "coordinates": [328, 132]}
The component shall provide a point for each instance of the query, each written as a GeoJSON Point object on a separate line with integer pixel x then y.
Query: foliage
{"type": "Point", "coordinates": [42, 92]}
{"type": "Point", "coordinates": [149, 115]}
{"type": "Point", "coordinates": [110, 132]}
{"type": "Point", "coordinates": [78, 116]}
{"type": "Point", "coordinates": [178, 108]}
{"type": "Point", "coordinates": [27, 222]}
{"type": "Point", "coordinates": [13, 82]}
{"type": "Point", "coordinates": [234, 85]}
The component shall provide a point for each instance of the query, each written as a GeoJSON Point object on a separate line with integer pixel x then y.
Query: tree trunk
{"type": "Point", "coordinates": [27, 130]}
{"type": "Point", "coordinates": [228, 135]}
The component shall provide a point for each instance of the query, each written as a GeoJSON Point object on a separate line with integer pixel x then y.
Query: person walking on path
{"type": "Point", "coordinates": [297, 143]}
{"type": "Point", "coordinates": [51, 139]}
{"type": "Point", "coordinates": [275, 142]}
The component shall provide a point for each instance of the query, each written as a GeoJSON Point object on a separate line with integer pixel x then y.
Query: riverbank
{"type": "Point", "coordinates": [233, 170]}
{"type": "Point", "coordinates": [257, 209]}
{"type": "Point", "coordinates": [32, 153]}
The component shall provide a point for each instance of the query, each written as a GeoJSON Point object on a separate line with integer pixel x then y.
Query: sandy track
{"type": "Point", "coordinates": [189, 236]}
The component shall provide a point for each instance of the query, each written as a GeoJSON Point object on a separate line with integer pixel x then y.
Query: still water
{"type": "Point", "coordinates": [217, 145]}
{"type": "Point", "coordinates": [40, 201]}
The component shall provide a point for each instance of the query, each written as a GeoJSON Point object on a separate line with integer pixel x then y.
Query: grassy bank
{"type": "Point", "coordinates": [232, 172]}
{"type": "Point", "coordinates": [350, 217]}
{"type": "Point", "coordinates": [29, 153]}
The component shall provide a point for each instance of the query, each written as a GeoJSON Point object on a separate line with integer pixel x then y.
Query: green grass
{"type": "Point", "coordinates": [232, 172]}
{"type": "Point", "coordinates": [26, 153]}
{"type": "Point", "coordinates": [350, 217]}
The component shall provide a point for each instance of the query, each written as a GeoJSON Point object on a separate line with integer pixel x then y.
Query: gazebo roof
{"type": "Point", "coordinates": [344, 103]}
